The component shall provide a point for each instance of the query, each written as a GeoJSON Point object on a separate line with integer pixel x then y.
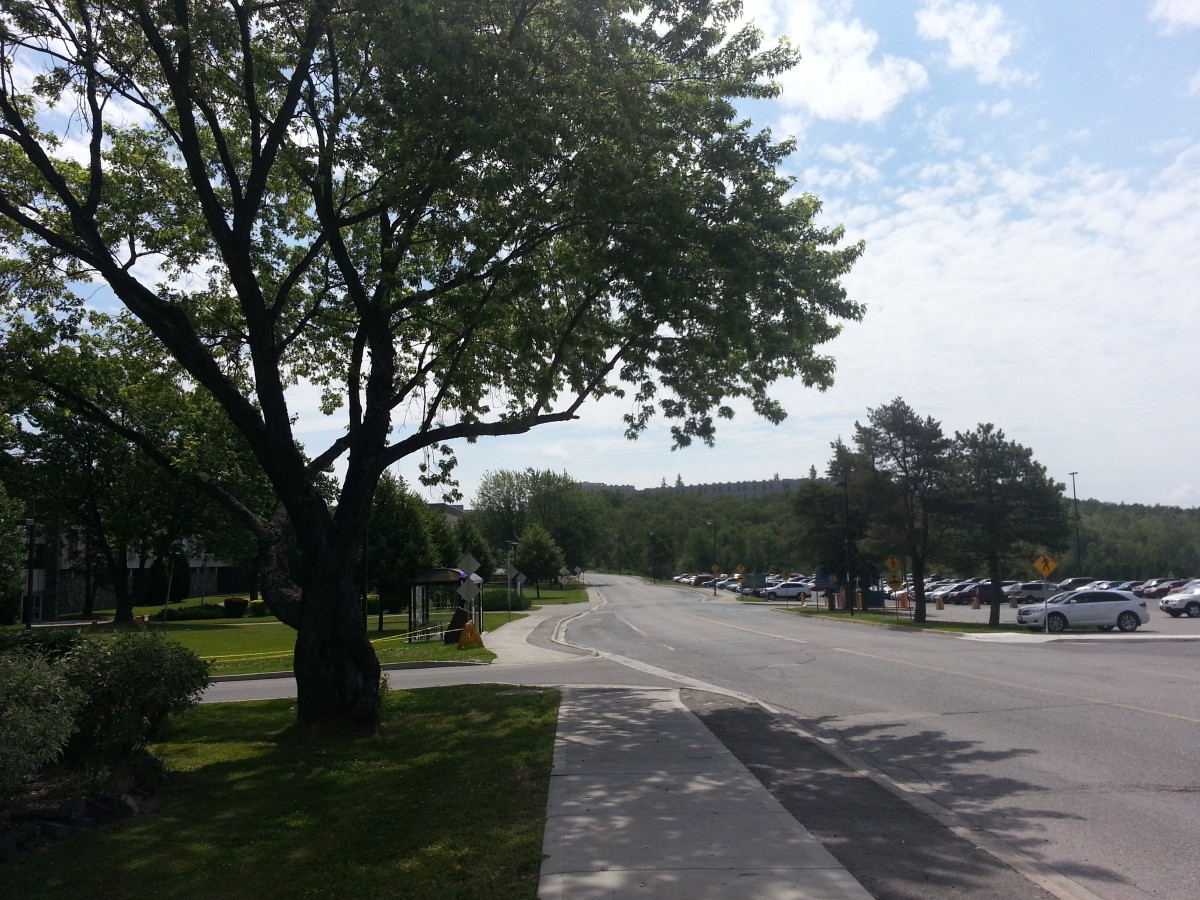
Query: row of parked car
{"type": "Point", "coordinates": [770, 587]}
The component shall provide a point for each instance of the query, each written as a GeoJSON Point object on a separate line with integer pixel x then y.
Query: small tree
{"type": "Point", "coordinates": [538, 557]}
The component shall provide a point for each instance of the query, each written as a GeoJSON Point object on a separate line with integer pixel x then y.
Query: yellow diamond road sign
{"type": "Point", "coordinates": [894, 582]}
{"type": "Point", "coordinates": [1045, 565]}
{"type": "Point", "coordinates": [892, 562]}
{"type": "Point", "coordinates": [741, 569]}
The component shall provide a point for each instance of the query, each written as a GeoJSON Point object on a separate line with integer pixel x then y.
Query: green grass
{"type": "Point", "coordinates": [266, 646]}
{"type": "Point", "coordinates": [554, 596]}
{"type": "Point", "coordinates": [448, 801]}
{"type": "Point", "coordinates": [890, 618]}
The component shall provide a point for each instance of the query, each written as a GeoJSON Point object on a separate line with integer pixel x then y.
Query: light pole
{"type": "Point", "coordinates": [845, 486]}
{"type": "Point", "coordinates": [715, 567]}
{"type": "Point", "coordinates": [1078, 542]}
{"type": "Point", "coordinates": [652, 578]}
{"type": "Point", "coordinates": [509, 577]}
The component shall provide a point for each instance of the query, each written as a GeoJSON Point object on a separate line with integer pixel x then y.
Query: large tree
{"type": "Point", "coordinates": [457, 219]}
{"type": "Point", "coordinates": [1002, 503]}
{"type": "Point", "coordinates": [905, 459]}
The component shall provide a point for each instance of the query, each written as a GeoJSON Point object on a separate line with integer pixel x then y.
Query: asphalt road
{"type": "Point", "coordinates": [1075, 757]}
{"type": "Point", "coordinates": [932, 766]}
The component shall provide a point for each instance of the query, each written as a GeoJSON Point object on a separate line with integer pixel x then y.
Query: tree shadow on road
{"type": "Point", "coordinates": [890, 846]}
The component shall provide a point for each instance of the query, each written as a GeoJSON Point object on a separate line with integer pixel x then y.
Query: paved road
{"type": "Point", "coordinates": [1078, 755]}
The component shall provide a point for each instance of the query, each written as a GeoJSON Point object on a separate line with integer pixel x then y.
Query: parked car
{"type": "Point", "coordinates": [787, 590]}
{"type": "Point", "coordinates": [1074, 584]}
{"type": "Point", "coordinates": [1164, 587]}
{"type": "Point", "coordinates": [1184, 602]}
{"type": "Point", "coordinates": [1031, 590]}
{"type": "Point", "coordinates": [981, 590]}
{"type": "Point", "coordinates": [1104, 610]}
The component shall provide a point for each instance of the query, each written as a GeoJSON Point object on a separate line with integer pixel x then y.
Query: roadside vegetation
{"type": "Point", "coordinates": [447, 799]}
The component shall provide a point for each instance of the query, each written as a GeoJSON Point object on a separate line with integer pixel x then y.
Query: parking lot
{"type": "Point", "coordinates": [1160, 623]}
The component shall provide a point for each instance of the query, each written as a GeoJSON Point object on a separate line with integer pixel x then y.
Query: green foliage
{"type": "Point", "coordinates": [537, 556]}
{"type": "Point", "coordinates": [399, 541]}
{"type": "Point", "coordinates": [51, 643]}
{"type": "Point", "coordinates": [191, 613]}
{"type": "Point", "coordinates": [498, 599]}
{"type": "Point", "coordinates": [37, 715]}
{"type": "Point", "coordinates": [457, 220]}
{"type": "Point", "coordinates": [132, 681]}
{"type": "Point", "coordinates": [257, 608]}
{"type": "Point", "coordinates": [507, 502]}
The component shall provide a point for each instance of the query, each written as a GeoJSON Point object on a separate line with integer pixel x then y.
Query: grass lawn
{"type": "Point", "coordinates": [448, 801]}
{"type": "Point", "coordinates": [554, 596]}
{"type": "Point", "coordinates": [266, 645]}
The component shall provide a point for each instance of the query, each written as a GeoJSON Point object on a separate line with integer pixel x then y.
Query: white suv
{"type": "Point", "coordinates": [788, 590]}
{"type": "Point", "coordinates": [1184, 603]}
{"type": "Point", "coordinates": [1086, 609]}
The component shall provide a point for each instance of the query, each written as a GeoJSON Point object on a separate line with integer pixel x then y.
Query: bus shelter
{"type": "Point", "coordinates": [434, 600]}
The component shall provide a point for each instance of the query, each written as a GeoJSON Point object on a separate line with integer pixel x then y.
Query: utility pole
{"type": "Point", "coordinates": [1078, 541]}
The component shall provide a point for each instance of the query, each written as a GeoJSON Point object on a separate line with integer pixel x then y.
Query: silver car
{"type": "Point", "coordinates": [1104, 610]}
{"type": "Point", "coordinates": [1185, 601]}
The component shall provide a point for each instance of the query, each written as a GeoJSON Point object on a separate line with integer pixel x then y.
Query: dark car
{"type": "Point", "coordinates": [1163, 587]}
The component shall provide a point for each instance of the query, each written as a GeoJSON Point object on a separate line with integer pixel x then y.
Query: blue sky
{"type": "Point", "coordinates": [1026, 177]}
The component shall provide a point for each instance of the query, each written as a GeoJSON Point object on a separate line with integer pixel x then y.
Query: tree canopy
{"type": "Point", "coordinates": [456, 219]}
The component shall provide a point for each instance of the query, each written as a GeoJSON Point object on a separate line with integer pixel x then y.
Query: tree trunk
{"type": "Point", "coordinates": [994, 590]}
{"type": "Point", "coordinates": [337, 671]}
{"type": "Point", "coordinates": [918, 577]}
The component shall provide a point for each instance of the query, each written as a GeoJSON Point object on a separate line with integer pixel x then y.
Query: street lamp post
{"type": "Point", "coordinates": [653, 580]}
{"type": "Point", "coordinates": [509, 578]}
{"type": "Point", "coordinates": [716, 568]}
{"type": "Point", "coordinates": [845, 485]}
{"type": "Point", "coordinates": [1078, 542]}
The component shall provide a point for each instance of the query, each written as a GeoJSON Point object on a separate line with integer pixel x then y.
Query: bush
{"type": "Point", "coordinates": [37, 715]}
{"type": "Point", "coordinates": [10, 605]}
{"type": "Point", "coordinates": [496, 600]}
{"type": "Point", "coordinates": [132, 681]}
{"type": "Point", "coordinates": [257, 608]}
{"type": "Point", "coordinates": [51, 643]}
{"type": "Point", "coordinates": [235, 607]}
{"type": "Point", "coordinates": [188, 613]}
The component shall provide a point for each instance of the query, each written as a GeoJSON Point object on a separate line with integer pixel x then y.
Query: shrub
{"type": "Point", "coordinates": [235, 607]}
{"type": "Point", "coordinates": [10, 605]}
{"type": "Point", "coordinates": [37, 715]}
{"type": "Point", "coordinates": [132, 682]}
{"type": "Point", "coordinates": [189, 613]}
{"type": "Point", "coordinates": [496, 600]}
{"type": "Point", "coordinates": [51, 643]}
{"type": "Point", "coordinates": [257, 608]}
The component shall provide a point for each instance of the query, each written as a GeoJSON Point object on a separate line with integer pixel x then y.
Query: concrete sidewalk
{"type": "Point", "coordinates": [645, 802]}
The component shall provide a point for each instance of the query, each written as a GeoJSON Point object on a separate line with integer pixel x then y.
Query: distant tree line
{"type": "Point", "coordinates": [974, 503]}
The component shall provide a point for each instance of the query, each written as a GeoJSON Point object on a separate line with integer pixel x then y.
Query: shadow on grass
{"type": "Point", "coordinates": [448, 800]}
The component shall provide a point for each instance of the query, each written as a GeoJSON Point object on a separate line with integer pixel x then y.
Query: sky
{"type": "Point", "coordinates": [1026, 178]}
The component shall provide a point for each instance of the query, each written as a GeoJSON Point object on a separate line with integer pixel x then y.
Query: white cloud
{"type": "Point", "coordinates": [1176, 15]}
{"type": "Point", "coordinates": [1193, 87]}
{"type": "Point", "coordinates": [842, 76]}
{"type": "Point", "coordinates": [977, 36]}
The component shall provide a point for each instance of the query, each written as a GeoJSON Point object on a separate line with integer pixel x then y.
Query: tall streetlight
{"type": "Point", "coordinates": [844, 484]}
{"type": "Point", "coordinates": [1078, 541]}
{"type": "Point", "coordinates": [715, 568]}
{"type": "Point", "coordinates": [652, 578]}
